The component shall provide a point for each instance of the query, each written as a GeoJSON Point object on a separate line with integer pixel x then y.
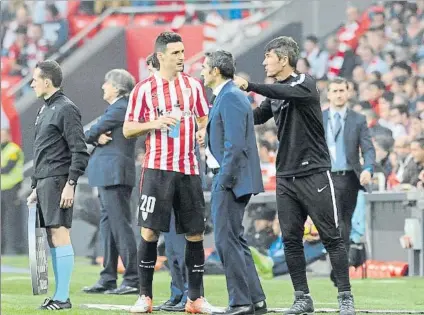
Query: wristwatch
{"type": "Point", "coordinates": [71, 182]}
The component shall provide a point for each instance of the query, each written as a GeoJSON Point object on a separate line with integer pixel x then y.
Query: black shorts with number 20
{"type": "Point", "coordinates": [163, 191]}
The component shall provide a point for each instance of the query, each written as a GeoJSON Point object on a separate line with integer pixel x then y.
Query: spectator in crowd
{"type": "Point", "coordinates": [417, 152]}
{"type": "Point", "coordinates": [37, 49]}
{"type": "Point", "coordinates": [398, 118]}
{"type": "Point", "coordinates": [303, 66]}
{"type": "Point", "coordinates": [21, 21]}
{"type": "Point", "coordinates": [316, 57]}
{"type": "Point", "coordinates": [18, 53]}
{"type": "Point", "coordinates": [56, 28]}
{"type": "Point", "coordinates": [383, 146]}
{"type": "Point", "coordinates": [39, 12]}
{"type": "Point", "coordinates": [272, 261]}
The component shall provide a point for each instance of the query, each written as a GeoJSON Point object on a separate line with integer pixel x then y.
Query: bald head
{"type": "Point", "coordinates": [352, 14]}
{"type": "Point", "coordinates": [402, 147]}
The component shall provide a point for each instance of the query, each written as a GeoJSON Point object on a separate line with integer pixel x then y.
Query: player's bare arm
{"type": "Point", "coordinates": [200, 134]}
{"type": "Point", "coordinates": [133, 129]}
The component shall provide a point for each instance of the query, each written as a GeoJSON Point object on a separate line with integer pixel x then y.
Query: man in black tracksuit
{"type": "Point", "coordinates": [60, 158]}
{"type": "Point", "coordinates": [304, 184]}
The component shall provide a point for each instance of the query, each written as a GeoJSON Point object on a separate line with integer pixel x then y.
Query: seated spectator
{"type": "Point", "coordinates": [261, 234]}
{"type": "Point", "coordinates": [404, 168]}
{"type": "Point", "coordinates": [56, 28]}
{"type": "Point", "coordinates": [417, 152]}
{"type": "Point", "coordinates": [273, 263]}
{"type": "Point", "coordinates": [21, 21]}
{"type": "Point", "coordinates": [383, 146]}
{"type": "Point", "coordinates": [316, 57]}
{"type": "Point", "coordinates": [415, 128]}
{"type": "Point", "coordinates": [303, 66]}
{"type": "Point", "coordinates": [39, 12]}
{"type": "Point", "coordinates": [37, 49]}
{"type": "Point", "coordinates": [376, 90]}
{"type": "Point", "coordinates": [7, 15]}
{"type": "Point", "coordinates": [18, 52]}
{"type": "Point", "coordinates": [398, 117]}
{"type": "Point", "coordinates": [370, 61]}
{"type": "Point", "coordinates": [376, 129]}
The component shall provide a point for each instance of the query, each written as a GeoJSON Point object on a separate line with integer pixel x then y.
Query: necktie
{"type": "Point", "coordinates": [337, 125]}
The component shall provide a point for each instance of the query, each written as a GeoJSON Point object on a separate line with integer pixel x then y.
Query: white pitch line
{"type": "Point", "coordinates": [14, 278]}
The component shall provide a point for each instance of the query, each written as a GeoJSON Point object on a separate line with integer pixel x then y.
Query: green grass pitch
{"type": "Point", "coordinates": [385, 294]}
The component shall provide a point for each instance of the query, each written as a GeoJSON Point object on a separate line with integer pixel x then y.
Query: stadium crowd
{"type": "Point", "coordinates": [31, 31]}
{"type": "Point", "coordinates": [381, 53]}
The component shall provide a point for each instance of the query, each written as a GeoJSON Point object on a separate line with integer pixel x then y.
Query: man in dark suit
{"type": "Point", "coordinates": [232, 142]}
{"type": "Point", "coordinates": [347, 135]}
{"type": "Point", "coordinates": [112, 169]}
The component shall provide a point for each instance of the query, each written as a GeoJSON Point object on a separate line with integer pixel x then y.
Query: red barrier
{"type": "Point", "coordinates": [141, 40]}
{"type": "Point", "coordinates": [380, 270]}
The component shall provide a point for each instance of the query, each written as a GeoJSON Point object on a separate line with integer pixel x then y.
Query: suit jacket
{"type": "Point", "coordinates": [113, 163]}
{"type": "Point", "coordinates": [232, 141]}
{"type": "Point", "coordinates": [356, 136]}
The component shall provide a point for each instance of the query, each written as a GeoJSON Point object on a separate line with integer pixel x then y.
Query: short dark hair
{"type": "Point", "coordinates": [388, 96]}
{"type": "Point", "coordinates": [166, 38]}
{"type": "Point", "coordinates": [152, 60]}
{"type": "Point", "coordinates": [338, 80]}
{"type": "Point", "coordinates": [377, 74]}
{"type": "Point", "coordinates": [284, 46]}
{"type": "Point", "coordinates": [223, 61]}
{"type": "Point", "coordinates": [265, 144]}
{"type": "Point", "coordinates": [403, 109]}
{"type": "Point", "coordinates": [21, 29]}
{"type": "Point", "coordinates": [50, 69]}
{"type": "Point", "coordinates": [402, 65]}
{"type": "Point", "coordinates": [312, 38]}
{"type": "Point", "coordinates": [379, 84]}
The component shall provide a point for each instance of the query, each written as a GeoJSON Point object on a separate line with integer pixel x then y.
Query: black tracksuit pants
{"type": "Point", "coordinates": [313, 195]}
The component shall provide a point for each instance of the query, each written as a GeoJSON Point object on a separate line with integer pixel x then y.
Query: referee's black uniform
{"type": "Point", "coordinates": [60, 154]}
{"type": "Point", "coordinates": [304, 184]}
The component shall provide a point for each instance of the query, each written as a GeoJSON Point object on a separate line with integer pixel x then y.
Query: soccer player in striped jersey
{"type": "Point", "coordinates": [166, 107]}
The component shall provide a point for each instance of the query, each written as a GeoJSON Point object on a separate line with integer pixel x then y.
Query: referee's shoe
{"type": "Point", "coordinates": [52, 305]}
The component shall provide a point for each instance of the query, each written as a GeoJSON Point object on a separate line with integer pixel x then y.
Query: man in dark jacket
{"type": "Point", "coordinates": [112, 169]}
{"type": "Point", "coordinates": [347, 137]}
{"type": "Point", "coordinates": [60, 158]}
{"type": "Point", "coordinates": [304, 183]}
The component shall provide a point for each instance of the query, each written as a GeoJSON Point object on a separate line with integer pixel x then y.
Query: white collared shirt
{"type": "Point", "coordinates": [220, 87]}
{"type": "Point", "coordinates": [115, 100]}
{"type": "Point", "coordinates": [210, 159]}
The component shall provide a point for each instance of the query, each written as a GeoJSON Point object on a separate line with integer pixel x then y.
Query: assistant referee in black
{"type": "Point", "coordinates": [304, 184]}
{"type": "Point", "coordinates": [60, 158]}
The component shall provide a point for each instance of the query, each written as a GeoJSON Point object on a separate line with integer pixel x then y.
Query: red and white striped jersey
{"type": "Point", "coordinates": [155, 97]}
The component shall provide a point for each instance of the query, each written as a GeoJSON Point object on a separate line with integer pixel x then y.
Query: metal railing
{"type": "Point", "coordinates": [248, 5]}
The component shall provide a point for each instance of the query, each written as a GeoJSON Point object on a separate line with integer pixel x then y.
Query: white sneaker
{"type": "Point", "coordinates": [201, 306]}
{"type": "Point", "coordinates": [144, 304]}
